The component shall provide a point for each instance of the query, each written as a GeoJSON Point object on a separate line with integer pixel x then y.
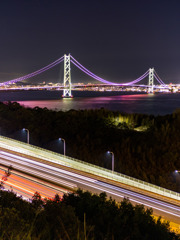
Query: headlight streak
{"type": "Point", "coordinates": [48, 156]}
{"type": "Point", "coordinates": [92, 185]}
{"type": "Point", "coordinates": [41, 182]}
{"type": "Point", "coordinates": [25, 190]}
{"type": "Point", "coordinates": [137, 195]}
{"type": "Point", "coordinates": [100, 183]}
{"type": "Point", "coordinates": [37, 173]}
{"type": "Point", "coordinates": [47, 166]}
{"type": "Point", "coordinates": [148, 205]}
{"type": "Point", "coordinates": [85, 178]}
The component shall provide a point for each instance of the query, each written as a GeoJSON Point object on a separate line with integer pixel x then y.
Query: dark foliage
{"type": "Point", "coordinates": [78, 216]}
{"type": "Point", "coordinates": [145, 147]}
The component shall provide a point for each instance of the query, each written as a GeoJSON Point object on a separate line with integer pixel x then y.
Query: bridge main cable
{"type": "Point", "coordinates": [51, 65]}
{"type": "Point", "coordinates": [85, 70]}
{"type": "Point", "coordinates": [159, 79]}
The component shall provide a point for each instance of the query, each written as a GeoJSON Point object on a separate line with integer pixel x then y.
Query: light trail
{"type": "Point", "coordinates": [12, 157]}
{"type": "Point", "coordinates": [37, 173]}
{"type": "Point", "coordinates": [44, 167]}
{"type": "Point", "coordinates": [140, 196]}
{"type": "Point", "coordinates": [53, 174]}
{"type": "Point", "coordinates": [28, 186]}
{"type": "Point", "coordinates": [50, 157]}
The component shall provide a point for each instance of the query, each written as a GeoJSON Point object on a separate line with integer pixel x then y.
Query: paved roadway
{"type": "Point", "coordinates": [26, 186]}
{"type": "Point", "coordinates": [55, 176]}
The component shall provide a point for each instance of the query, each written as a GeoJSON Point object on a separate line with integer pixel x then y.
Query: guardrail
{"type": "Point", "coordinates": [50, 156]}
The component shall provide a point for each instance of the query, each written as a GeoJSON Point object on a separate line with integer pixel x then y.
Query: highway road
{"type": "Point", "coordinates": [25, 186]}
{"type": "Point", "coordinates": [57, 178]}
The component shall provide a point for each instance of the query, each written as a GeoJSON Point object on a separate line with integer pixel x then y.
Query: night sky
{"type": "Point", "coordinates": [118, 40]}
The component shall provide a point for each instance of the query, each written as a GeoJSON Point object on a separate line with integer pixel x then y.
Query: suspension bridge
{"type": "Point", "coordinates": [67, 84]}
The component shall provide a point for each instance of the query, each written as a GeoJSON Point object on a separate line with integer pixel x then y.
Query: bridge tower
{"type": "Point", "coordinates": [151, 80]}
{"type": "Point", "coordinates": [67, 77]}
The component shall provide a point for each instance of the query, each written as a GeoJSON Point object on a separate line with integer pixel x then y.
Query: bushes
{"type": "Point", "coordinates": [78, 216]}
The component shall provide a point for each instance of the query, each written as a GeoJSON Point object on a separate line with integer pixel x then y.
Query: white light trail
{"type": "Point", "coordinates": [88, 182]}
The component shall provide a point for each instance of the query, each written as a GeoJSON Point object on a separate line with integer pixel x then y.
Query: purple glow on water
{"type": "Point", "coordinates": [157, 104]}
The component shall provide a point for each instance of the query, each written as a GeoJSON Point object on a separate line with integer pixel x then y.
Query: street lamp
{"type": "Point", "coordinates": [177, 171]}
{"type": "Point", "coordinates": [112, 154]}
{"type": "Point", "coordinates": [25, 129]}
{"type": "Point", "coordinates": [62, 139]}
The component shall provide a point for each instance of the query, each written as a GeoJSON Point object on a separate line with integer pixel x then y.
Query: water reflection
{"type": "Point", "coordinates": [157, 104]}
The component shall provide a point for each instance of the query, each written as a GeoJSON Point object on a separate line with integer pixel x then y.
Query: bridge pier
{"type": "Point", "coordinates": [151, 80]}
{"type": "Point", "coordinates": [67, 77]}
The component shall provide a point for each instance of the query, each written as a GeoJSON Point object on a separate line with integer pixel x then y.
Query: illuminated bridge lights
{"type": "Point", "coordinates": [67, 76]}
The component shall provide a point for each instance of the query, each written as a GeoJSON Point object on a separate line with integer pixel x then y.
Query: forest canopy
{"type": "Point", "coordinates": [144, 146]}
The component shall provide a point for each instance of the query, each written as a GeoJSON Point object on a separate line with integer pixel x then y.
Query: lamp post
{"type": "Point", "coordinates": [25, 129]}
{"type": "Point", "coordinates": [177, 171]}
{"type": "Point", "coordinates": [112, 154]}
{"type": "Point", "coordinates": [62, 139]}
